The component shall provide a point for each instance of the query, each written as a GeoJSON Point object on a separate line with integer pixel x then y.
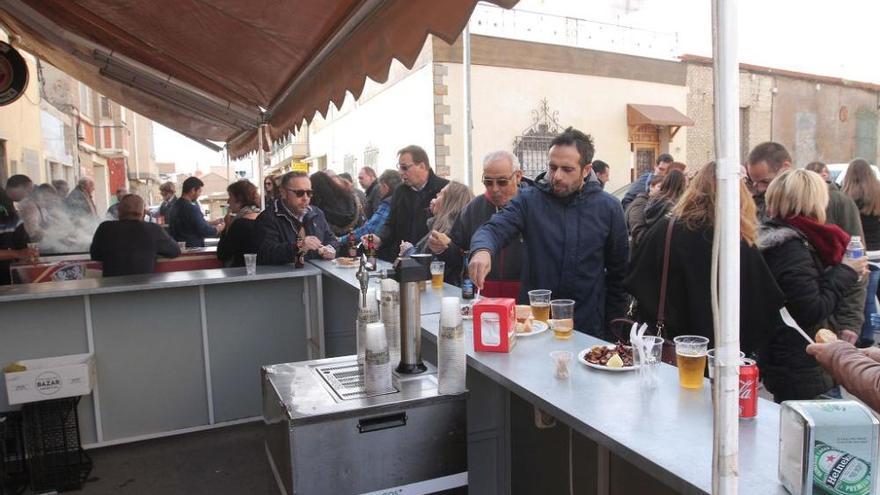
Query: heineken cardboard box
{"type": "Point", "coordinates": [35, 380]}
{"type": "Point", "coordinates": [828, 447]}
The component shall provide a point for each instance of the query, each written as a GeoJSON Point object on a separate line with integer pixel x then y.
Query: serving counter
{"type": "Point", "coordinates": [174, 352]}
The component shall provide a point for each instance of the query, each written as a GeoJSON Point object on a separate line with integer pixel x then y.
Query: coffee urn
{"type": "Point", "coordinates": [409, 272]}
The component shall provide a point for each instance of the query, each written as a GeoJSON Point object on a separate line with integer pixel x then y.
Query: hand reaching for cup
{"type": "Point", "coordinates": [479, 267]}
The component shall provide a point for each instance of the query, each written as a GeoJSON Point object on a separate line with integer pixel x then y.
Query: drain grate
{"type": "Point", "coordinates": [347, 381]}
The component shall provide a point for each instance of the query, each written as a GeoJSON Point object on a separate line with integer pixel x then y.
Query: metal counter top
{"type": "Point", "coordinates": [431, 298]}
{"type": "Point", "coordinates": [667, 432]}
{"type": "Point", "coordinates": [150, 281]}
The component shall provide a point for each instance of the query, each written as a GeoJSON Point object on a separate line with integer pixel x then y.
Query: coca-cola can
{"type": "Point", "coordinates": [748, 389]}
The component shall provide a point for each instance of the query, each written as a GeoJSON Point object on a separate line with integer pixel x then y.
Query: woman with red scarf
{"type": "Point", "coordinates": [806, 257]}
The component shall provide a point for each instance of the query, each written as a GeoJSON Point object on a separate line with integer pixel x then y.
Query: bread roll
{"type": "Point", "coordinates": [825, 336]}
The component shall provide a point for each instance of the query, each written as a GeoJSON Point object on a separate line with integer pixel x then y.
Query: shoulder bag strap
{"type": "Point", "coordinates": [664, 278]}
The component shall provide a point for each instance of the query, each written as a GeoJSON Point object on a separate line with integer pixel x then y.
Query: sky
{"type": "Point", "coordinates": [815, 36]}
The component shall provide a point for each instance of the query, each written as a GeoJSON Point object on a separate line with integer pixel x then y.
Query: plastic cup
{"type": "Point", "coordinates": [34, 249]}
{"type": "Point", "coordinates": [182, 245]}
{"type": "Point", "coordinates": [250, 263]}
{"type": "Point", "coordinates": [710, 361]}
{"type": "Point", "coordinates": [563, 318]}
{"type": "Point", "coordinates": [539, 300]}
{"type": "Point", "coordinates": [561, 364]}
{"type": "Point", "coordinates": [647, 361]}
{"type": "Point", "coordinates": [438, 269]}
{"type": "Point", "coordinates": [690, 357]}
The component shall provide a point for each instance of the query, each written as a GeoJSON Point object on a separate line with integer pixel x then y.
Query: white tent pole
{"type": "Point", "coordinates": [261, 158]}
{"type": "Point", "coordinates": [468, 127]}
{"type": "Point", "coordinates": [726, 248]}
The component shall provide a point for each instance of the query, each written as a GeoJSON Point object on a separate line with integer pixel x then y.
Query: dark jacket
{"type": "Point", "coordinates": [638, 187]}
{"type": "Point", "coordinates": [812, 294]}
{"type": "Point", "coordinates": [576, 247]}
{"type": "Point", "coordinates": [688, 300]}
{"type": "Point", "coordinates": [507, 263]}
{"type": "Point", "coordinates": [409, 215]}
{"type": "Point", "coordinates": [166, 206]}
{"type": "Point", "coordinates": [635, 213]}
{"type": "Point", "coordinates": [130, 247]}
{"type": "Point", "coordinates": [374, 197]}
{"type": "Point", "coordinates": [280, 231]}
{"type": "Point", "coordinates": [13, 234]}
{"type": "Point", "coordinates": [188, 224]}
{"type": "Point", "coordinates": [871, 227]}
{"type": "Point", "coordinates": [843, 212]}
{"type": "Point", "coordinates": [242, 236]}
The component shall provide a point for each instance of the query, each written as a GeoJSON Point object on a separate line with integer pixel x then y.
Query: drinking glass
{"type": "Point", "coordinates": [563, 318]}
{"type": "Point", "coordinates": [690, 357]}
{"type": "Point", "coordinates": [438, 268]}
{"type": "Point", "coordinates": [540, 301]}
{"type": "Point", "coordinates": [250, 263]}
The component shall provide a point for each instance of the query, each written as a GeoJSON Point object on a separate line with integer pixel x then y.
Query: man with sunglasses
{"type": "Point", "coordinates": [290, 218]}
{"type": "Point", "coordinates": [502, 178]}
{"type": "Point", "coordinates": [575, 237]}
{"type": "Point", "coordinates": [409, 202]}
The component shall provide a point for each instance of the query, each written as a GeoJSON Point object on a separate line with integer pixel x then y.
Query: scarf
{"type": "Point", "coordinates": [829, 241]}
{"type": "Point", "coordinates": [247, 209]}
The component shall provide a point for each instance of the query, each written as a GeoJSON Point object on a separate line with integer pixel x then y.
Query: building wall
{"type": "Point", "coordinates": [20, 132]}
{"type": "Point", "coordinates": [503, 100]}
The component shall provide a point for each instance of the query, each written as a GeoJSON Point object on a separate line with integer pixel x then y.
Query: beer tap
{"type": "Point", "coordinates": [363, 276]}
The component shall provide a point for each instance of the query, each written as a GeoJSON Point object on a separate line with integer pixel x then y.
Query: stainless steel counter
{"type": "Point", "coordinates": [666, 433]}
{"type": "Point", "coordinates": [152, 281]}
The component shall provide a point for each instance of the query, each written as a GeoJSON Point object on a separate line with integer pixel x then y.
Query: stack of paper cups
{"type": "Point", "coordinates": [451, 365]}
{"type": "Point", "coordinates": [377, 365]}
{"type": "Point", "coordinates": [390, 291]}
{"type": "Point", "coordinates": [366, 315]}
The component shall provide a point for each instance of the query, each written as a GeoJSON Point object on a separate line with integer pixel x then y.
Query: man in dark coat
{"type": "Point", "coordinates": [502, 179]}
{"type": "Point", "coordinates": [409, 204]}
{"type": "Point", "coordinates": [370, 184]}
{"type": "Point", "coordinates": [641, 183]}
{"type": "Point", "coordinates": [187, 223]}
{"type": "Point", "coordinates": [290, 217]}
{"type": "Point", "coordinates": [576, 241]}
{"type": "Point", "coordinates": [129, 246]}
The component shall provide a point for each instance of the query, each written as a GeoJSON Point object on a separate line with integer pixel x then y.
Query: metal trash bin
{"type": "Point", "coordinates": [325, 435]}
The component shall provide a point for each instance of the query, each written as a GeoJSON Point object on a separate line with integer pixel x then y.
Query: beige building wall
{"type": "Point", "coordinates": [503, 100]}
{"type": "Point", "coordinates": [142, 159]}
{"type": "Point", "coordinates": [20, 132]}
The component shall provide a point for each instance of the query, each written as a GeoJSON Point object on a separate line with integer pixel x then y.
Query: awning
{"type": "Point", "coordinates": [655, 115]}
{"type": "Point", "coordinates": [218, 69]}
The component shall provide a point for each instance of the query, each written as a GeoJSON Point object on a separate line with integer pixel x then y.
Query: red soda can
{"type": "Point", "coordinates": [748, 389]}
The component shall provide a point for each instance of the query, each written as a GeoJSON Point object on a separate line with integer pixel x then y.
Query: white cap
{"type": "Point", "coordinates": [450, 312]}
{"type": "Point", "coordinates": [376, 340]}
{"type": "Point", "coordinates": [372, 303]}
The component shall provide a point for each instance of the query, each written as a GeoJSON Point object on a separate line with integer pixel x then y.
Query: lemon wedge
{"type": "Point", "coordinates": [615, 362]}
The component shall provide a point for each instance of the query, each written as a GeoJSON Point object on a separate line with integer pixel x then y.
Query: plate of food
{"type": "Point", "coordinates": [608, 357]}
{"type": "Point", "coordinates": [531, 327]}
{"type": "Point", "coordinates": [347, 262]}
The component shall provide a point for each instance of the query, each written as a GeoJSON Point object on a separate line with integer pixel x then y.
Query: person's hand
{"type": "Point", "coordinates": [377, 241]}
{"type": "Point", "coordinates": [480, 266]}
{"type": "Point", "coordinates": [404, 247]}
{"type": "Point", "coordinates": [311, 243]}
{"type": "Point", "coordinates": [327, 252]}
{"type": "Point", "coordinates": [860, 265]}
{"type": "Point", "coordinates": [25, 254]}
{"type": "Point", "coordinates": [849, 336]}
{"type": "Point", "coordinates": [872, 352]}
{"type": "Point", "coordinates": [436, 242]}
{"type": "Point", "coordinates": [823, 352]}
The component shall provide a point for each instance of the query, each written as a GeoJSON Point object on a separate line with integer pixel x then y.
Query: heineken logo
{"type": "Point", "coordinates": [48, 383]}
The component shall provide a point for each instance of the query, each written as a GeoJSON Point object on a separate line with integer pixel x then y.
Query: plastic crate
{"type": "Point", "coordinates": [55, 458]}
{"type": "Point", "coordinates": [13, 468]}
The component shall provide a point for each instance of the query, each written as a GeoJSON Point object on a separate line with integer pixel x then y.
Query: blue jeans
{"type": "Point", "coordinates": [870, 303]}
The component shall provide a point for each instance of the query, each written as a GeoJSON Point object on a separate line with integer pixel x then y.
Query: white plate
{"type": "Point", "coordinates": [583, 353]}
{"type": "Point", "coordinates": [537, 327]}
{"type": "Point", "coordinates": [340, 265]}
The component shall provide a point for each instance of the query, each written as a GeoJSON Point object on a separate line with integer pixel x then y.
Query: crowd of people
{"type": "Point", "coordinates": [646, 258]}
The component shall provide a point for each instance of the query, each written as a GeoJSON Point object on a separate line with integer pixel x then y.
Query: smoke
{"type": "Point", "coordinates": [56, 228]}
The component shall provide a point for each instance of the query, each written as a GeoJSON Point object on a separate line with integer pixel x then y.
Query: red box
{"type": "Point", "coordinates": [485, 337]}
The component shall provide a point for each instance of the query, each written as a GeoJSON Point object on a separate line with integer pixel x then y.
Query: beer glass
{"type": "Point", "coordinates": [438, 268]}
{"type": "Point", "coordinates": [563, 318]}
{"type": "Point", "coordinates": [690, 357]}
{"type": "Point", "coordinates": [540, 302]}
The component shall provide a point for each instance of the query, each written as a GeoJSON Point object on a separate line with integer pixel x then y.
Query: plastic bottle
{"type": "Point", "coordinates": [390, 292]}
{"type": "Point", "coordinates": [855, 250]}
{"type": "Point", "coordinates": [366, 315]}
{"type": "Point", "coordinates": [451, 364]}
{"type": "Point", "coordinates": [377, 364]}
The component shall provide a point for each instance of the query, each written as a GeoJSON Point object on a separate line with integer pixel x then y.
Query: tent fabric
{"type": "Point", "coordinates": [655, 115]}
{"type": "Point", "coordinates": [235, 54]}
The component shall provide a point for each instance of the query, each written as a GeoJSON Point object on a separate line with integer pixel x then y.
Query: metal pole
{"type": "Point", "coordinates": [261, 158]}
{"type": "Point", "coordinates": [468, 124]}
{"type": "Point", "coordinates": [726, 249]}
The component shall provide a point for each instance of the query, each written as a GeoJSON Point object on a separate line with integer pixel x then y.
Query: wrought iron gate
{"type": "Point", "coordinates": [531, 148]}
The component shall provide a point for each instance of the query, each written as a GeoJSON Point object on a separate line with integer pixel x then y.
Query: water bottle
{"type": "Point", "coordinates": [855, 250]}
{"type": "Point", "coordinates": [451, 364]}
{"type": "Point", "coordinates": [366, 315]}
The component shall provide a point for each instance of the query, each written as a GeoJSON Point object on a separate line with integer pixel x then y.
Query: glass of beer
{"type": "Point", "coordinates": [563, 318]}
{"type": "Point", "coordinates": [539, 300]}
{"type": "Point", "coordinates": [690, 357]}
{"type": "Point", "coordinates": [438, 268]}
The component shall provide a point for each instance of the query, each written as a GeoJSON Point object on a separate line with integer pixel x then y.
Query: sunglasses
{"type": "Point", "coordinates": [404, 167]}
{"type": "Point", "coordinates": [301, 192]}
{"type": "Point", "coordinates": [503, 182]}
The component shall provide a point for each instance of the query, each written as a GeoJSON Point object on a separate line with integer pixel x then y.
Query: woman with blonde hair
{"type": "Point", "coordinates": [685, 237]}
{"type": "Point", "coordinates": [444, 208]}
{"type": "Point", "coordinates": [806, 257]}
{"type": "Point", "coordinates": [862, 185]}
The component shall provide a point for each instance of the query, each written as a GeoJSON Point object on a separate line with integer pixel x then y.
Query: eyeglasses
{"type": "Point", "coordinates": [405, 166]}
{"type": "Point", "coordinates": [301, 192]}
{"type": "Point", "coordinates": [502, 182]}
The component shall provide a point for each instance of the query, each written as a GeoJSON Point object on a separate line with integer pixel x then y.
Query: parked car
{"type": "Point", "coordinates": [837, 171]}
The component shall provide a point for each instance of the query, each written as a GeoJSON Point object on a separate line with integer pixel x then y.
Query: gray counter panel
{"type": "Point", "coordinates": [250, 325]}
{"type": "Point", "coordinates": [340, 317]}
{"type": "Point", "coordinates": [150, 362]}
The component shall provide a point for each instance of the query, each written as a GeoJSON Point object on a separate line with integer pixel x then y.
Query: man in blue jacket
{"type": "Point", "coordinates": [641, 183]}
{"type": "Point", "coordinates": [575, 235]}
{"type": "Point", "coordinates": [187, 223]}
{"type": "Point", "coordinates": [291, 217]}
